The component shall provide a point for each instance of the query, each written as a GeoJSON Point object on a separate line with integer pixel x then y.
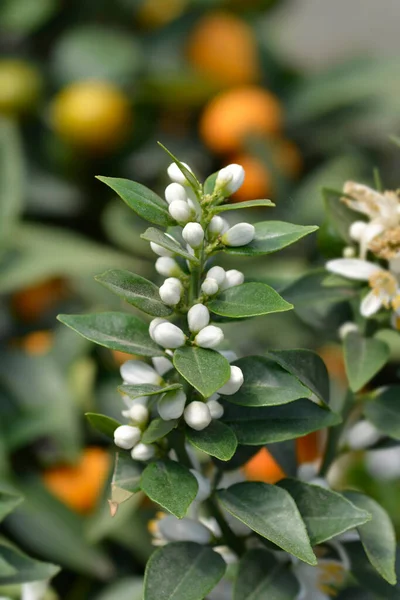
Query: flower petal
{"type": "Point", "coordinates": [352, 268]}
{"type": "Point", "coordinates": [370, 304]}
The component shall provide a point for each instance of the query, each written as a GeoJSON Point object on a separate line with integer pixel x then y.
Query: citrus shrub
{"type": "Point", "coordinates": [20, 87]}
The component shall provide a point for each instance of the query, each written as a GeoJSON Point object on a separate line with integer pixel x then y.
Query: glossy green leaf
{"type": "Point", "coordinates": [261, 576]}
{"type": "Point", "coordinates": [125, 481]}
{"type": "Point", "coordinates": [258, 426]}
{"type": "Point", "coordinates": [307, 366]}
{"type": "Point", "coordinates": [155, 235]}
{"type": "Point", "coordinates": [377, 536]}
{"type": "Point", "coordinates": [115, 330]}
{"type": "Point", "coordinates": [182, 571]}
{"type": "Point", "coordinates": [217, 440]}
{"type": "Point", "coordinates": [271, 236]}
{"type": "Point", "coordinates": [248, 300]}
{"type": "Point", "coordinates": [143, 201]}
{"type": "Point", "coordinates": [102, 423]}
{"type": "Point", "coordinates": [7, 503]}
{"type": "Point", "coordinates": [171, 485]}
{"type": "Point", "coordinates": [158, 429]}
{"type": "Point", "coordinates": [206, 370]}
{"type": "Point", "coordinates": [17, 567]}
{"type": "Point", "coordinates": [209, 183]}
{"type": "Point", "coordinates": [366, 575]}
{"type": "Point", "coordinates": [240, 205]}
{"type": "Point", "coordinates": [384, 411]}
{"type": "Point", "coordinates": [266, 383]}
{"type": "Point", "coordinates": [271, 512]}
{"type": "Point", "coordinates": [147, 389]}
{"type": "Point", "coordinates": [364, 358]}
{"type": "Point", "coordinates": [325, 513]}
{"type": "Point", "coordinates": [190, 177]}
{"type": "Point", "coordinates": [135, 290]}
{"type": "Point", "coordinates": [12, 177]}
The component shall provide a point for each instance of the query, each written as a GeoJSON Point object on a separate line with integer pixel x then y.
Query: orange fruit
{"type": "Point", "coordinates": [37, 342]}
{"type": "Point", "coordinates": [79, 486]}
{"type": "Point", "coordinates": [237, 113]}
{"type": "Point", "coordinates": [288, 158]}
{"type": "Point", "coordinates": [309, 448]}
{"type": "Point", "coordinates": [20, 87]}
{"type": "Point", "coordinates": [30, 303]}
{"type": "Point", "coordinates": [92, 115]}
{"type": "Point", "coordinates": [332, 355]}
{"type": "Point", "coordinates": [263, 467]}
{"type": "Point", "coordinates": [222, 48]}
{"type": "Point", "coordinates": [257, 181]}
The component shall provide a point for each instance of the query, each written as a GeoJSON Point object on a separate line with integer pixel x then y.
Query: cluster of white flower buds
{"type": "Point", "coordinates": [217, 279]}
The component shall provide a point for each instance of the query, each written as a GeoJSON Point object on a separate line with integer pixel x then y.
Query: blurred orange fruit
{"type": "Point", "coordinates": [288, 158]}
{"type": "Point", "coordinates": [93, 115]}
{"type": "Point", "coordinates": [79, 486]}
{"type": "Point", "coordinates": [30, 303]}
{"type": "Point", "coordinates": [156, 13]}
{"type": "Point", "coordinates": [20, 87]}
{"type": "Point", "coordinates": [263, 467]}
{"type": "Point", "coordinates": [121, 357]}
{"type": "Point", "coordinates": [309, 448]}
{"type": "Point", "coordinates": [222, 48]}
{"type": "Point", "coordinates": [258, 180]}
{"type": "Point", "coordinates": [237, 113]}
{"type": "Point", "coordinates": [332, 355]}
{"type": "Point", "coordinates": [37, 342]}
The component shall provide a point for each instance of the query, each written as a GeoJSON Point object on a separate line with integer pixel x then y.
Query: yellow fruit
{"type": "Point", "coordinates": [257, 182]}
{"type": "Point", "coordinates": [222, 48]}
{"type": "Point", "coordinates": [20, 87]}
{"type": "Point", "coordinates": [92, 115]}
{"type": "Point", "coordinates": [263, 467]}
{"type": "Point", "coordinates": [237, 113]}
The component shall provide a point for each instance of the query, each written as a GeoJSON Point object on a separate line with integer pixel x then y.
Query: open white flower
{"type": "Point", "coordinates": [320, 582]}
{"type": "Point", "coordinates": [385, 290]}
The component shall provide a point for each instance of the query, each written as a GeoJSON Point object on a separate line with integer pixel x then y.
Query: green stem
{"type": "Point", "coordinates": [230, 539]}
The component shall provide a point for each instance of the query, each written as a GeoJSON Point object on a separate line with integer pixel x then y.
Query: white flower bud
{"type": "Point", "coordinates": [239, 235]}
{"type": "Point", "coordinates": [347, 328]}
{"type": "Point", "coordinates": [349, 252]}
{"type": "Point", "coordinates": [180, 211]}
{"type": "Point", "coordinates": [198, 317]}
{"type": "Point", "coordinates": [134, 372]}
{"type": "Point", "coordinates": [197, 415]}
{"type": "Point", "coordinates": [175, 174]}
{"type": "Point", "coordinates": [363, 435]}
{"type": "Point", "coordinates": [139, 414]}
{"type": "Point", "coordinates": [357, 229]}
{"type": "Point", "coordinates": [229, 179]}
{"type": "Point", "coordinates": [216, 409]}
{"type": "Point", "coordinates": [169, 335]}
{"type": "Point", "coordinates": [175, 191]}
{"type": "Point", "coordinates": [171, 405]}
{"type": "Point", "coordinates": [143, 451]}
{"type": "Point", "coordinates": [217, 273]}
{"type": "Point", "coordinates": [162, 365]}
{"type": "Point", "coordinates": [209, 337]}
{"type": "Point", "coordinates": [183, 530]}
{"type": "Point", "coordinates": [126, 436]}
{"type": "Point", "coordinates": [232, 278]}
{"type": "Point", "coordinates": [204, 484]}
{"type": "Point", "coordinates": [217, 226]}
{"type": "Point", "coordinates": [193, 234]}
{"type": "Point", "coordinates": [159, 250]}
{"type": "Point", "coordinates": [167, 266]}
{"type": "Point", "coordinates": [171, 291]}
{"type": "Point", "coordinates": [235, 382]}
{"type": "Point", "coordinates": [154, 323]}
{"type": "Point", "coordinates": [209, 286]}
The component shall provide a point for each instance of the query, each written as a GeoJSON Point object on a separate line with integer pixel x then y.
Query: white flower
{"type": "Point", "coordinates": [138, 413]}
{"type": "Point", "coordinates": [171, 291]}
{"type": "Point", "coordinates": [234, 383]}
{"type": "Point", "coordinates": [167, 528]}
{"type": "Point", "coordinates": [209, 286]}
{"type": "Point", "coordinates": [239, 235]}
{"type": "Point", "coordinates": [154, 323]}
{"type": "Point", "coordinates": [127, 436]}
{"type": "Point", "coordinates": [193, 234]}
{"type": "Point", "coordinates": [169, 335]}
{"type": "Point", "coordinates": [216, 409]}
{"type": "Point", "coordinates": [35, 590]}
{"type": "Point", "coordinates": [204, 484]}
{"type": "Point", "coordinates": [217, 273]}
{"type": "Point", "coordinates": [197, 415]}
{"type": "Point", "coordinates": [384, 286]}
{"type": "Point", "coordinates": [159, 250]}
{"type": "Point", "coordinates": [175, 191]}
{"type": "Point", "coordinates": [217, 226]}
{"type": "Point", "coordinates": [180, 211]}
{"type": "Point", "coordinates": [346, 328]}
{"type": "Point", "coordinates": [167, 266]}
{"type": "Point", "coordinates": [135, 372]}
{"type": "Point", "coordinates": [229, 179]}
{"type": "Point", "coordinates": [198, 317]}
{"type": "Point", "coordinates": [161, 364]}
{"type": "Point", "coordinates": [232, 278]}
{"type": "Point", "coordinates": [143, 451]}
{"type": "Point", "coordinates": [176, 175]}
{"type": "Point", "coordinates": [362, 435]}
{"type": "Point", "coordinates": [170, 405]}
{"type": "Point", "coordinates": [209, 337]}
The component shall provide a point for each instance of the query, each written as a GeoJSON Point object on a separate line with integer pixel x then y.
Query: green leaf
{"type": "Point", "coordinates": [135, 290]}
{"type": "Point", "coordinates": [266, 383]}
{"type": "Point", "coordinates": [325, 513]}
{"type": "Point", "coordinates": [12, 177]}
{"type": "Point", "coordinates": [364, 358]}
{"type": "Point", "coordinates": [307, 366]}
{"type": "Point", "coordinates": [217, 440]}
{"type": "Point", "coordinates": [271, 236]}
{"type": "Point", "coordinates": [182, 571]}
{"type": "Point", "coordinates": [143, 201]}
{"type": "Point", "coordinates": [155, 235]}
{"type": "Point", "coordinates": [171, 485]}
{"type": "Point", "coordinates": [384, 411]}
{"type": "Point", "coordinates": [339, 215]}
{"type": "Point", "coordinates": [261, 576]}
{"type": "Point", "coordinates": [158, 429]}
{"type": "Point", "coordinates": [21, 17]}
{"type": "Point", "coordinates": [239, 205]}
{"type": "Point", "coordinates": [115, 330]}
{"type": "Point", "coordinates": [271, 512]}
{"type": "Point", "coordinates": [147, 389]}
{"type": "Point", "coordinates": [23, 568]}
{"type": "Point", "coordinates": [248, 300]}
{"type": "Point", "coordinates": [209, 183]}
{"type": "Point", "coordinates": [125, 481]}
{"type": "Point", "coordinates": [7, 503]}
{"type": "Point", "coordinates": [366, 575]}
{"type": "Point", "coordinates": [377, 536]}
{"type": "Point", "coordinates": [102, 423]}
{"type": "Point", "coordinates": [206, 370]}
{"type": "Point", "coordinates": [190, 177]}
{"type": "Point", "coordinates": [258, 426]}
